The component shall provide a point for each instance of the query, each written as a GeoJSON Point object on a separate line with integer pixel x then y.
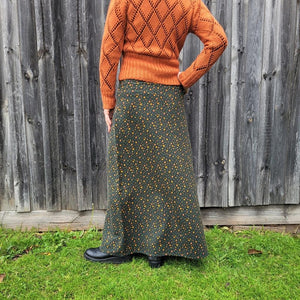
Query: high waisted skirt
{"type": "Point", "coordinates": [153, 207]}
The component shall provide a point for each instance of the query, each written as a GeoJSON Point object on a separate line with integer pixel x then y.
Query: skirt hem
{"type": "Point", "coordinates": [156, 254]}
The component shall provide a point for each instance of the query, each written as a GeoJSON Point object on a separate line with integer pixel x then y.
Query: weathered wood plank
{"type": "Point", "coordinates": [252, 215]}
{"type": "Point", "coordinates": [13, 93]}
{"type": "Point", "coordinates": [98, 141]}
{"type": "Point", "coordinates": [269, 84]}
{"type": "Point", "coordinates": [286, 106]}
{"type": "Point", "coordinates": [248, 122]}
{"type": "Point", "coordinates": [45, 37]}
{"type": "Point", "coordinates": [31, 104]}
{"type": "Point", "coordinates": [42, 220]}
{"type": "Point", "coordinates": [293, 188]}
{"type": "Point", "coordinates": [7, 201]}
{"type": "Point", "coordinates": [67, 41]}
{"type": "Point", "coordinates": [79, 60]}
{"type": "Point", "coordinates": [224, 79]}
{"type": "Point", "coordinates": [236, 49]}
{"type": "Point", "coordinates": [216, 125]}
{"type": "Point", "coordinates": [2, 117]}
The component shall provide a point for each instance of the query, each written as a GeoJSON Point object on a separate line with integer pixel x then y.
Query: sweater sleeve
{"type": "Point", "coordinates": [212, 35]}
{"type": "Point", "coordinates": [111, 50]}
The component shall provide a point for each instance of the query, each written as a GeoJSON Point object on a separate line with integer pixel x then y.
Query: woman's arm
{"type": "Point", "coordinates": [212, 35]}
{"type": "Point", "coordinates": [111, 50]}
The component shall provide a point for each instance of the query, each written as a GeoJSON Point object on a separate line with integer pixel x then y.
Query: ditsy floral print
{"type": "Point", "coordinates": [152, 197]}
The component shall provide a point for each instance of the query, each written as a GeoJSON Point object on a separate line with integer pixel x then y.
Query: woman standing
{"type": "Point", "coordinates": [153, 205]}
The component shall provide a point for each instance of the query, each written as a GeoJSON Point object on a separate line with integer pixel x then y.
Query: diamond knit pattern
{"type": "Point", "coordinates": [149, 35]}
{"type": "Point", "coordinates": [158, 27]}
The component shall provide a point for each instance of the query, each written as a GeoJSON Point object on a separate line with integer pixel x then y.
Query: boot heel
{"type": "Point", "coordinates": [155, 261]}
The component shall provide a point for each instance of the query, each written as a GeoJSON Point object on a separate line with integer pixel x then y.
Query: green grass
{"type": "Point", "coordinates": [51, 266]}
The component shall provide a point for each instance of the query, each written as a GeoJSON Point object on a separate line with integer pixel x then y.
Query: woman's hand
{"type": "Point", "coordinates": [185, 89]}
{"type": "Point", "coordinates": [108, 113]}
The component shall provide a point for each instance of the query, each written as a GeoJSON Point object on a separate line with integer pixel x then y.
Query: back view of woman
{"type": "Point", "coordinates": [152, 196]}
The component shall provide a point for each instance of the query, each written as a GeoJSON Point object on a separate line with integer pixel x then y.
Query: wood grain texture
{"type": "Point", "coordinates": [13, 94]}
{"type": "Point", "coordinates": [243, 116]}
{"type": "Point", "coordinates": [6, 175]}
{"type": "Point", "coordinates": [33, 133]}
{"type": "Point", "coordinates": [45, 37]}
{"type": "Point", "coordinates": [74, 220]}
{"type": "Point", "coordinates": [217, 120]}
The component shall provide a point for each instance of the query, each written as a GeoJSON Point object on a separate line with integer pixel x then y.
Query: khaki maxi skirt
{"type": "Point", "coordinates": [153, 207]}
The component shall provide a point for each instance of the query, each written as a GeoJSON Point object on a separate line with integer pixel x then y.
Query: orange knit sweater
{"type": "Point", "coordinates": [149, 35]}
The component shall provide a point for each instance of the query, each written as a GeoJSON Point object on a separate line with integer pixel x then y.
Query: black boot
{"type": "Point", "coordinates": [155, 261]}
{"type": "Point", "coordinates": [94, 254]}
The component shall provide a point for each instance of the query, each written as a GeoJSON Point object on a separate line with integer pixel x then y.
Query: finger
{"type": "Point", "coordinates": [108, 121]}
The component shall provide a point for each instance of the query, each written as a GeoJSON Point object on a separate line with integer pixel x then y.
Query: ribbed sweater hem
{"type": "Point", "coordinates": [149, 68]}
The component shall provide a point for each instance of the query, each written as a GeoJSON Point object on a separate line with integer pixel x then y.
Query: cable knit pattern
{"type": "Point", "coordinates": [149, 35]}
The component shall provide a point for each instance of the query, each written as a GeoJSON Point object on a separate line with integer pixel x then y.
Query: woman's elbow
{"type": "Point", "coordinates": [219, 39]}
{"type": "Point", "coordinates": [220, 43]}
{"type": "Point", "coordinates": [223, 41]}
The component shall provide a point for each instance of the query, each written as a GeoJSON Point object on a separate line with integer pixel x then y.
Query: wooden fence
{"type": "Point", "coordinates": [243, 116]}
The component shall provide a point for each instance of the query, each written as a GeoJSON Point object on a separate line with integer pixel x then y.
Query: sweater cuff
{"type": "Point", "coordinates": [179, 76]}
{"type": "Point", "coordinates": [108, 102]}
{"type": "Point", "coordinates": [185, 81]}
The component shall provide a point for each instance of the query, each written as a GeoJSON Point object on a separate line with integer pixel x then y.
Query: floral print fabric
{"type": "Point", "coordinates": [152, 197]}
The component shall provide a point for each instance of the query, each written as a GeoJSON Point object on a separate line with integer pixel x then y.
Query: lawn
{"type": "Point", "coordinates": [248, 265]}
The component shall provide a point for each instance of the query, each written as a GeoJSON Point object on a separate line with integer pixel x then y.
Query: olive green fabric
{"type": "Point", "coordinates": [152, 197]}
